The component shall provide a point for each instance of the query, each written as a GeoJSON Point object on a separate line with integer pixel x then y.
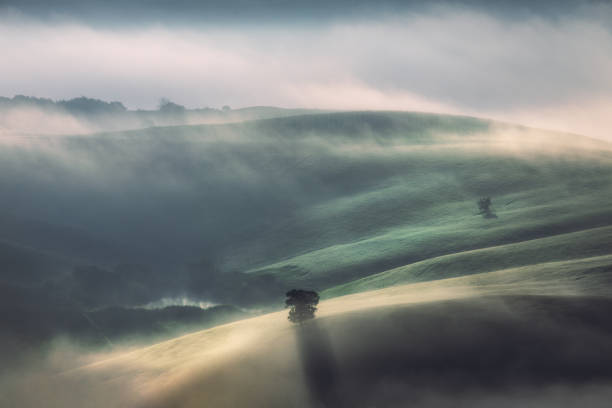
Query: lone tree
{"type": "Point", "coordinates": [302, 304]}
{"type": "Point", "coordinates": [484, 205]}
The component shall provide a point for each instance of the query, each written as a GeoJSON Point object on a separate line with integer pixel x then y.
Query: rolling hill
{"type": "Point", "coordinates": [531, 335]}
{"type": "Point", "coordinates": [377, 210]}
{"type": "Point", "coordinates": [238, 213]}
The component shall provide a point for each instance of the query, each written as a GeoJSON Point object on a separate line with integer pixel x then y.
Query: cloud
{"type": "Point", "coordinates": [454, 60]}
{"type": "Point", "coordinates": [114, 12]}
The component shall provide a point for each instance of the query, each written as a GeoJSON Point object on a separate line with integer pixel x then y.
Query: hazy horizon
{"type": "Point", "coordinates": [546, 65]}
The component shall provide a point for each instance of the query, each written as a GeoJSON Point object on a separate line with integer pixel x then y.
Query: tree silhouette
{"type": "Point", "coordinates": [167, 106]}
{"type": "Point", "coordinates": [302, 304]}
{"type": "Point", "coordinates": [484, 205]}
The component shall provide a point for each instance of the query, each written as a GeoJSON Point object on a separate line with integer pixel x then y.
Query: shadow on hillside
{"type": "Point", "coordinates": [318, 364]}
{"type": "Point", "coordinates": [503, 351]}
{"type": "Point", "coordinates": [468, 353]}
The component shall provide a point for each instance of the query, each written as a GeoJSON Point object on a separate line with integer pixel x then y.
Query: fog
{"type": "Point", "coordinates": [95, 226]}
{"type": "Point", "coordinates": [199, 178]}
{"type": "Point", "coordinates": [543, 69]}
{"type": "Point", "coordinates": [23, 117]}
{"type": "Point", "coordinates": [461, 342]}
{"type": "Point", "coordinates": [175, 167]}
{"type": "Point", "coordinates": [177, 301]}
{"type": "Point", "coordinates": [165, 209]}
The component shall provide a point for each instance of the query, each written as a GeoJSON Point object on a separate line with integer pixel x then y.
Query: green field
{"type": "Point", "coordinates": [422, 295]}
{"type": "Point", "coordinates": [239, 213]}
{"type": "Point", "coordinates": [422, 222]}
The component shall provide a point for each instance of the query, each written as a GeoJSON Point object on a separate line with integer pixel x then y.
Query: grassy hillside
{"type": "Point", "coordinates": [513, 336]}
{"type": "Point", "coordinates": [564, 248]}
{"type": "Point", "coordinates": [312, 199]}
{"type": "Point", "coordinates": [239, 213]}
{"type": "Point", "coordinates": [542, 185]}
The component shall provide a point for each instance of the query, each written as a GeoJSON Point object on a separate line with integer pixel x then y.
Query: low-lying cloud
{"type": "Point", "coordinates": [553, 73]}
{"type": "Point", "coordinates": [473, 352]}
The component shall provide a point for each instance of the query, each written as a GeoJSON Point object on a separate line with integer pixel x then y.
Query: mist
{"type": "Point", "coordinates": [448, 345]}
{"type": "Point", "coordinates": [542, 71]}
{"type": "Point", "coordinates": [168, 171]}
{"type": "Point", "coordinates": [22, 117]}
{"type": "Point", "coordinates": [237, 214]}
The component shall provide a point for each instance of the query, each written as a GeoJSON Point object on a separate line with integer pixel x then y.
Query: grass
{"type": "Point", "coordinates": [450, 228]}
{"type": "Point", "coordinates": [447, 317]}
{"type": "Point", "coordinates": [560, 249]}
{"type": "Point", "coordinates": [316, 200]}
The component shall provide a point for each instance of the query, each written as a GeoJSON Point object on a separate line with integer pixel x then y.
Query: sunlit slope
{"type": "Point", "coordinates": [256, 362]}
{"type": "Point", "coordinates": [568, 248]}
{"type": "Point", "coordinates": [542, 185]}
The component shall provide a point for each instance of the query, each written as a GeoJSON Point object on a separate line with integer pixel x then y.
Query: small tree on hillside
{"type": "Point", "coordinates": [167, 106]}
{"type": "Point", "coordinates": [484, 205]}
{"type": "Point", "coordinates": [302, 304]}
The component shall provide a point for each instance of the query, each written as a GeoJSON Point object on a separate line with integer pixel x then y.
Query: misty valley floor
{"type": "Point", "coordinates": [507, 351]}
{"type": "Point", "coordinates": [448, 343]}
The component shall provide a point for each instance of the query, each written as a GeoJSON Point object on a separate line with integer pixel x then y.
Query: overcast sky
{"type": "Point", "coordinates": [548, 65]}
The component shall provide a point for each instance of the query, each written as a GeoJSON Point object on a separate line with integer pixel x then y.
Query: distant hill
{"type": "Point", "coordinates": [27, 116]}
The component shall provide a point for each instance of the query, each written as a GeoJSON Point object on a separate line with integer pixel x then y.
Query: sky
{"type": "Point", "coordinates": [547, 65]}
